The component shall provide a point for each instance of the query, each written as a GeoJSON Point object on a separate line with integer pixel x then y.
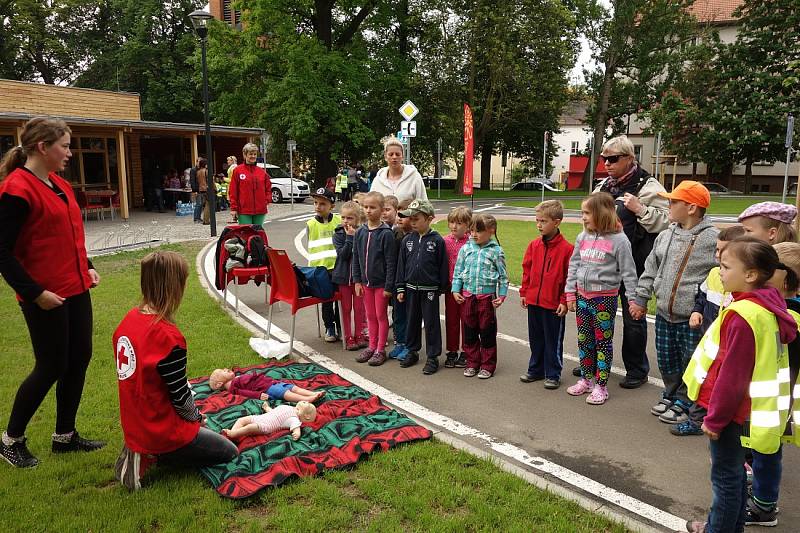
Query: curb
{"type": "Point", "coordinates": [541, 481]}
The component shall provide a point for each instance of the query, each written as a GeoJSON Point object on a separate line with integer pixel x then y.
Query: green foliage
{"type": "Point", "coordinates": [730, 106]}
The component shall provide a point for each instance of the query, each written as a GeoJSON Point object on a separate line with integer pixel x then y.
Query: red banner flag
{"type": "Point", "coordinates": [468, 142]}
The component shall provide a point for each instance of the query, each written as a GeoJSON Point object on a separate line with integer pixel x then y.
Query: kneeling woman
{"type": "Point", "coordinates": [159, 419]}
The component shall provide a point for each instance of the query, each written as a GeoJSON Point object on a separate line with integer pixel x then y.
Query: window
{"type": "Point", "coordinates": [637, 152]}
{"type": "Point", "coordinates": [575, 148]}
{"type": "Point", "coordinates": [6, 143]}
{"type": "Point", "coordinates": [93, 163]}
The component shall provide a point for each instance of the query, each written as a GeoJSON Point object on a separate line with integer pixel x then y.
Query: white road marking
{"type": "Point", "coordinates": [298, 243]}
{"type": "Point", "coordinates": [421, 412]}
{"type": "Point", "coordinates": [495, 206]}
{"type": "Point", "coordinates": [303, 217]}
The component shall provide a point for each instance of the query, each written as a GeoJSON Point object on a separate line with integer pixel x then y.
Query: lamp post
{"type": "Point", "coordinates": [200, 20]}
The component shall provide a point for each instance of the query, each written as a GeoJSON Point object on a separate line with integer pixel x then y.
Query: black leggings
{"type": "Point", "coordinates": [62, 346]}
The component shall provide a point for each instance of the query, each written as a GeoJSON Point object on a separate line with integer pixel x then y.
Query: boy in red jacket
{"type": "Point", "coordinates": [544, 274]}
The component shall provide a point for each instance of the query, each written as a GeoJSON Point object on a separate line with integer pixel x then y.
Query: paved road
{"type": "Point", "coordinates": [620, 444]}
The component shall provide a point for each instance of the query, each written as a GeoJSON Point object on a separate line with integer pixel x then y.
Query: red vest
{"type": "Point", "coordinates": [250, 190]}
{"type": "Point", "coordinates": [50, 246]}
{"type": "Point", "coordinates": [150, 423]}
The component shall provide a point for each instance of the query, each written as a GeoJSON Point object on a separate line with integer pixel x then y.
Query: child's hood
{"type": "Point", "coordinates": [771, 300]}
{"type": "Point", "coordinates": [704, 224]}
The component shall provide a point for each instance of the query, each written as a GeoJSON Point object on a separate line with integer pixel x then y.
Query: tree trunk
{"type": "Point", "coordinates": [487, 147]}
{"type": "Point", "coordinates": [323, 21]}
{"type": "Point", "coordinates": [600, 121]}
{"type": "Point", "coordinates": [694, 169]}
{"type": "Point", "coordinates": [748, 176]}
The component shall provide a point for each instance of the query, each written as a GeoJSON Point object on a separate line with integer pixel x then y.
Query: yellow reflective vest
{"type": "Point", "coordinates": [320, 242]}
{"type": "Point", "coordinates": [769, 385]}
{"type": "Point", "coordinates": [793, 436]}
{"type": "Point", "coordinates": [341, 182]}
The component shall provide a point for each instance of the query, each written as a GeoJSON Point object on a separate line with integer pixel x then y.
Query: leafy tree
{"type": "Point", "coordinates": [639, 47]}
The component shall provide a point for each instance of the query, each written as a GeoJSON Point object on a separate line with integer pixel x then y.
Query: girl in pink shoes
{"type": "Point", "coordinates": [601, 260]}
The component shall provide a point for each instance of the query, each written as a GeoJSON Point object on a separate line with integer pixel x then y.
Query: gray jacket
{"type": "Point", "coordinates": [666, 276]}
{"type": "Point", "coordinates": [599, 263]}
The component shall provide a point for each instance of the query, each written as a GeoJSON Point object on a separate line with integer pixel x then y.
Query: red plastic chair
{"type": "Point", "coordinates": [284, 289]}
{"type": "Point", "coordinates": [243, 276]}
{"type": "Point", "coordinates": [87, 205]}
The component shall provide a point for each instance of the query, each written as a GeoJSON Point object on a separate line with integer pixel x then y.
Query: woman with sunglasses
{"type": "Point", "coordinates": [643, 214]}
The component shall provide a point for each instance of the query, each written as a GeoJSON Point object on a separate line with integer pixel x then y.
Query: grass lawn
{"type": "Point", "coordinates": [421, 487]}
{"type": "Point", "coordinates": [719, 205]}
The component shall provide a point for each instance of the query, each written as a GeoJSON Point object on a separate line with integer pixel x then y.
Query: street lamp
{"type": "Point", "coordinates": [200, 20]}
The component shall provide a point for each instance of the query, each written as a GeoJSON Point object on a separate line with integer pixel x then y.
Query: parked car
{"type": "Point", "coordinates": [533, 185]}
{"type": "Point", "coordinates": [283, 187]}
{"type": "Point", "coordinates": [717, 188]}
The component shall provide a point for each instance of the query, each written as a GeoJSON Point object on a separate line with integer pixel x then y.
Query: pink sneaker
{"type": "Point", "coordinates": [581, 387]}
{"type": "Point", "coordinates": [598, 396]}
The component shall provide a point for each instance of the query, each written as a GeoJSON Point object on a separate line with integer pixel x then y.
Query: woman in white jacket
{"type": "Point", "coordinates": [397, 179]}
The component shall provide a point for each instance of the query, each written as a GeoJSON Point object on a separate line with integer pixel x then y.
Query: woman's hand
{"type": "Point", "coordinates": [48, 300]}
{"type": "Point", "coordinates": [523, 302]}
{"type": "Point", "coordinates": [95, 277]}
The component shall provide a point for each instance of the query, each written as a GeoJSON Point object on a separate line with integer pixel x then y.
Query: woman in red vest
{"type": "Point", "coordinates": [151, 365]}
{"type": "Point", "coordinates": [250, 191]}
{"type": "Point", "coordinates": [43, 258]}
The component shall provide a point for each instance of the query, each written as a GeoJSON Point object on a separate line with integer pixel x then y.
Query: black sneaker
{"type": "Point", "coordinates": [411, 359]}
{"type": "Point", "coordinates": [18, 454]}
{"type": "Point", "coordinates": [431, 366]}
{"type": "Point", "coordinates": [450, 362]}
{"type": "Point", "coordinates": [755, 515]}
{"type": "Point", "coordinates": [577, 372]}
{"type": "Point", "coordinates": [461, 362]}
{"type": "Point", "coordinates": [77, 444]}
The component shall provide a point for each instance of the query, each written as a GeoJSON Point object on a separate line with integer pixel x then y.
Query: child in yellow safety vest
{"type": "Point", "coordinates": [322, 252]}
{"type": "Point", "coordinates": [736, 376]}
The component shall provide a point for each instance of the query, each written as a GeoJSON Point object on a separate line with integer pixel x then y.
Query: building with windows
{"type": "Point", "coordinates": [112, 147]}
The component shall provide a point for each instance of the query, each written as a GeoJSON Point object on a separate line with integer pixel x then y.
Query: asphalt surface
{"type": "Point", "coordinates": [619, 444]}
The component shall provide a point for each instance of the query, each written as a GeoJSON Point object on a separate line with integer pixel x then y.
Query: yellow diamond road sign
{"type": "Point", "coordinates": [408, 110]}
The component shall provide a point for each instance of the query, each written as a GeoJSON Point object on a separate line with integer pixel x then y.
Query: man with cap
{"type": "Point", "coordinates": [422, 275]}
{"type": "Point", "coordinates": [321, 251]}
{"type": "Point", "coordinates": [681, 258]}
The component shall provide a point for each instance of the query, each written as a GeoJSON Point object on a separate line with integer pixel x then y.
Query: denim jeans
{"type": "Point", "coordinates": [767, 470]}
{"type": "Point", "coordinates": [200, 201]}
{"type": "Point", "coordinates": [208, 448]}
{"type": "Point", "coordinates": [728, 482]}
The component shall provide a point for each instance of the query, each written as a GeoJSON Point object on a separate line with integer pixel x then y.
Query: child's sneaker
{"type": "Point", "coordinates": [403, 353]}
{"type": "Point", "coordinates": [350, 344]}
{"type": "Point", "coordinates": [131, 467]}
{"type": "Point", "coordinates": [598, 396]}
{"type": "Point", "coordinates": [661, 407]}
{"type": "Point", "coordinates": [583, 386]}
{"type": "Point", "coordinates": [484, 374]}
{"type": "Point", "coordinates": [450, 361]}
{"type": "Point", "coordinates": [461, 361]}
{"type": "Point", "coordinates": [470, 372]}
{"type": "Point", "coordinates": [552, 384]}
{"type": "Point", "coordinates": [411, 359]}
{"type": "Point", "coordinates": [396, 351]}
{"type": "Point", "coordinates": [330, 334]}
{"type": "Point", "coordinates": [362, 341]}
{"type": "Point", "coordinates": [365, 356]}
{"type": "Point", "coordinates": [431, 366]}
{"type": "Point", "coordinates": [685, 428]}
{"type": "Point", "coordinates": [377, 359]}
{"type": "Point", "coordinates": [676, 414]}
{"type": "Point", "coordinates": [755, 515]}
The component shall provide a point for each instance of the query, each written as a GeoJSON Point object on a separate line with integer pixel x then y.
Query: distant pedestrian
{"type": "Point", "coordinates": [480, 285]}
{"type": "Point", "coordinates": [397, 179]}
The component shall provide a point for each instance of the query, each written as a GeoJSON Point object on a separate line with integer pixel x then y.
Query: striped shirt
{"type": "Point", "coordinates": [172, 370]}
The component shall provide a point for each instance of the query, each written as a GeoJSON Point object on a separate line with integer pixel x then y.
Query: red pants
{"type": "Point", "coordinates": [480, 332]}
{"type": "Point", "coordinates": [452, 322]}
{"type": "Point", "coordinates": [352, 307]}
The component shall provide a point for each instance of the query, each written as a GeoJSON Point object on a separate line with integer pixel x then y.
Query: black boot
{"type": "Point", "coordinates": [17, 454]}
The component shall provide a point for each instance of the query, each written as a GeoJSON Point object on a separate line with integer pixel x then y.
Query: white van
{"type": "Point", "coordinates": [283, 187]}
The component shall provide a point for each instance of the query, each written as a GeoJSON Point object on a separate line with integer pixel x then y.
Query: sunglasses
{"type": "Point", "coordinates": [611, 158]}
